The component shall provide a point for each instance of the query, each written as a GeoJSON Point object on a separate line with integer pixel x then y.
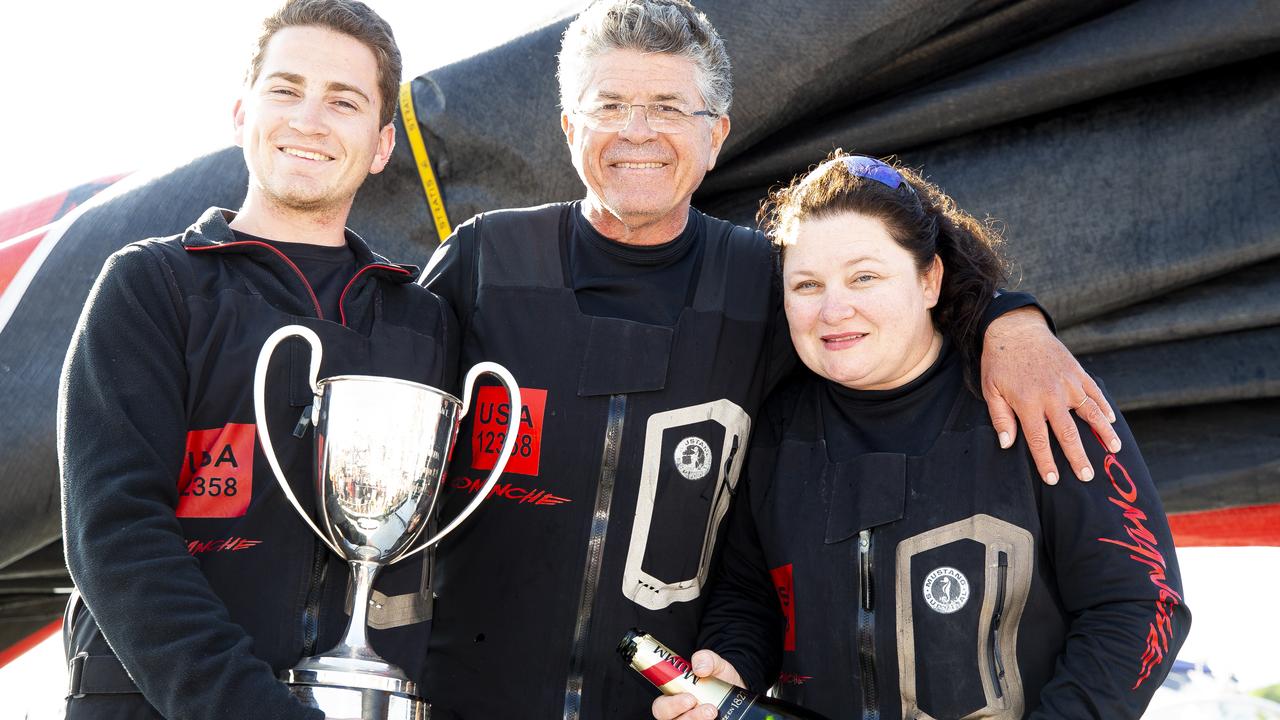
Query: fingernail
{"type": "Point", "coordinates": [1115, 445]}
{"type": "Point", "coordinates": [1086, 473]}
{"type": "Point", "coordinates": [1051, 478]}
{"type": "Point", "coordinates": [1005, 442]}
{"type": "Point", "coordinates": [700, 666]}
{"type": "Point", "coordinates": [1111, 415]}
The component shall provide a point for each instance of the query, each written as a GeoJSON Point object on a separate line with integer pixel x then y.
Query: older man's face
{"type": "Point", "coordinates": [638, 176]}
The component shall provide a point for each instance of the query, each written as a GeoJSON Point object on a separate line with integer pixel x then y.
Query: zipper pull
{"type": "Point", "coordinates": [864, 566]}
{"type": "Point", "coordinates": [728, 465]}
{"type": "Point", "coordinates": [300, 429]}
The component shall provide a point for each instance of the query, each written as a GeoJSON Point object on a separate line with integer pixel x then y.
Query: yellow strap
{"type": "Point", "coordinates": [429, 185]}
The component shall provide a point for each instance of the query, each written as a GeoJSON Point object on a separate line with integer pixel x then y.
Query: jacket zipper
{"type": "Point", "coordinates": [866, 629]}
{"type": "Point", "coordinates": [342, 299]}
{"type": "Point", "coordinates": [311, 610]}
{"type": "Point", "coordinates": [595, 554]}
{"type": "Point", "coordinates": [319, 561]}
{"type": "Point", "coordinates": [319, 552]}
{"type": "Point", "coordinates": [708, 537]}
{"type": "Point", "coordinates": [996, 665]}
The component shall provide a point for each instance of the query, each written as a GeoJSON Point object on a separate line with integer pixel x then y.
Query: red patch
{"type": "Point", "coordinates": [783, 583]}
{"type": "Point", "coordinates": [217, 472]}
{"type": "Point", "coordinates": [493, 412]}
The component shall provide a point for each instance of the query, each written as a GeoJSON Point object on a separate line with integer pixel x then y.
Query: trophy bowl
{"type": "Point", "coordinates": [382, 446]}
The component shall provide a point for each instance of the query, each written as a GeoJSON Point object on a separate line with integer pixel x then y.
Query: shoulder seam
{"type": "Point", "coordinates": [176, 295]}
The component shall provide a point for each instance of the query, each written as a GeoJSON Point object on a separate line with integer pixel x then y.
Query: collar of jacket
{"type": "Point", "coordinates": [212, 232]}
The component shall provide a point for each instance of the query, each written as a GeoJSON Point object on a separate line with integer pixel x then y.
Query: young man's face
{"type": "Point", "coordinates": [309, 125]}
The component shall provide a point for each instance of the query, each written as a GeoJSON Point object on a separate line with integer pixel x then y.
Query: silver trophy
{"type": "Point", "coordinates": [382, 445]}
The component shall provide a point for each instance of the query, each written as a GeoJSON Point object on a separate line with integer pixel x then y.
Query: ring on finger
{"type": "Point", "coordinates": [1077, 406]}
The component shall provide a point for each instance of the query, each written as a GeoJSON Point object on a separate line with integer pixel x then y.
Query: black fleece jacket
{"type": "Point", "coordinates": [192, 565]}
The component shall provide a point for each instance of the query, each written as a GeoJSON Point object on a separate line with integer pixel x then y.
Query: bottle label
{"type": "Point", "coordinates": [735, 706]}
{"type": "Point", "coordinates": [673, 675]}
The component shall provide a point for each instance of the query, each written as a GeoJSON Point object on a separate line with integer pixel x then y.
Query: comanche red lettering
{"type": "Point", "coordinates": [1143, 548]}
{"type": "Point", "coordinates": [231, 544]}
{"type": "Point", "coordinates": [509, 491]}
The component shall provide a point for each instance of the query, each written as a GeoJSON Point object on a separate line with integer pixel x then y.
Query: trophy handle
{"type": "Point", "coordinates": [260, 411]}
{"type": "Point", "coordinates": [513, 428]}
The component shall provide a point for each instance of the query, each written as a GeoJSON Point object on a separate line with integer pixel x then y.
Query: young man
{"type": "Point", "coordinates": [644, 334]}
{"type": "Point", "coordinates": [197, 581]}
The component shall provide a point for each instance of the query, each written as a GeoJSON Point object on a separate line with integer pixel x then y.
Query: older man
{"type": "Point", "coordinates": [199, 582]}
{"type": "Point", "coordinates": [644, 335]}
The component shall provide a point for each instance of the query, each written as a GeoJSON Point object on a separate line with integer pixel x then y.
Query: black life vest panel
{"type": "Point", "coordinates": [631, 441]}
{"type": "Point", "coordinates": [959, 617]}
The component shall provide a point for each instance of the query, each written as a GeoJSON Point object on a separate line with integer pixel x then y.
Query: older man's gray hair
{"type": "Point", "coordinates": [673, 27]}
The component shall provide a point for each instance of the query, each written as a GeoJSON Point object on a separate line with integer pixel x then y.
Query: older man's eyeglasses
{"type": "Point", "coordinates": [662, 117]}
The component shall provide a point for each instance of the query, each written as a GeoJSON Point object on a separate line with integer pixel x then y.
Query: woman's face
{"type": "Point", "coordinates": [857, 305]}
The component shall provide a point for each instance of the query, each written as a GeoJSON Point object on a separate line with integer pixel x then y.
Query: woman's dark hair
{"type": "Point", "coordinates": [921, 218]}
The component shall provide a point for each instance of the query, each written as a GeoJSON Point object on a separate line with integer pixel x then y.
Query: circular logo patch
{"type": "Point", "coordinates": [946, 590]}
{"type": "Point", "coordinates": [693, 458]}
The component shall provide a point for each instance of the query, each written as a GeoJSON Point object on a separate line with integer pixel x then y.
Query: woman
{"type": "Point", "coordinates": [884, 559]}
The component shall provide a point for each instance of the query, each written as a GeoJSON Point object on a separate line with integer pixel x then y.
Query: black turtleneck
{"type": "Point", "coordinates": [905, 419]}
{"type": "Point", "coordinates": [642, 283]}
{"type": "Point", "coordinates": [327, 268]}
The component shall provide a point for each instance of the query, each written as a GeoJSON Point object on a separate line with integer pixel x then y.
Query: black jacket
{"type": "Point", "coordinates": [885, 585]}
{"type": "Point", "coordinates": [189, 559]}
{"type": "Point", "coordinates": [631, 441]}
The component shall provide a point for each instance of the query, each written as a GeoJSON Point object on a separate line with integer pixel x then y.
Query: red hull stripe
{"type": "Point", "coordinates": [17, 649]}
{"type": "Point", "coordinates": [28, 217]}
{"type": "Point", "coordinates": [25, 218]}
{"type": "Point", "coordinates": [1230, 527]}
{"type": "Point", "coordinates": [13, 253]}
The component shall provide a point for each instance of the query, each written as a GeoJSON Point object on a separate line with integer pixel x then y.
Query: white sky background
{"type": "Point", "coordinates": [99, 88]}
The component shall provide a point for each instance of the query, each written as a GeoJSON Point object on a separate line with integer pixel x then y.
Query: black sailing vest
{"type": "Point", "coordinates": [911, 587]}
{"type": "Point", "coordinates": [631, 442]}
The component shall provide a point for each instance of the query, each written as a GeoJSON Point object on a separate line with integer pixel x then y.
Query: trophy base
{"type": "Point", "coordinates": [348, 703]}
{"type": "Point", "coordinates": [350, 688]}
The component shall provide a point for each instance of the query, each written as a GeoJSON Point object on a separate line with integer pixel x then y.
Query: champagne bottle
{"type": "Point", "coordinates": [673, 675]}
